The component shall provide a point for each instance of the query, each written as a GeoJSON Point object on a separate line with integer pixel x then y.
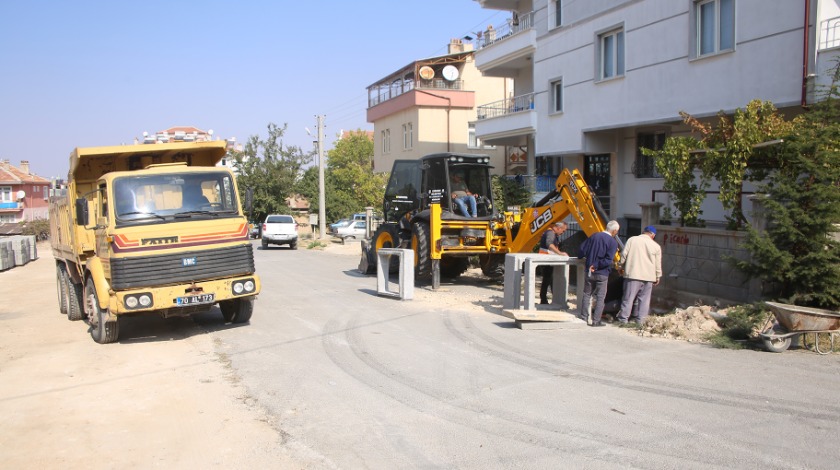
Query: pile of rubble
{"type": "Point", "coordinates": [693, 324]}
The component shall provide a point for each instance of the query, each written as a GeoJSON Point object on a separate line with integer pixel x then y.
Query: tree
{"type": "Point", "coordinates": [508, 192]}
{"type": "Point", "coordinates": [271, 170]}
{"type": "Point", "coordinates": [725, 152]}
{"type": "Point", "coordinates": [350, 184]}
{"type": "Point", "coordinates": [797, 256]}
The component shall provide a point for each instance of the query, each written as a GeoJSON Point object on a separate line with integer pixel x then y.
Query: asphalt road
{"type": "Point", "coordinates": [330, 375]}
{"type": "Point", "coordinates": [444, 381]}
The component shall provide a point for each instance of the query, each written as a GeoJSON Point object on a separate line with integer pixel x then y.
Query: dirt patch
{"type": "Point", "coordinates": [693, 324]}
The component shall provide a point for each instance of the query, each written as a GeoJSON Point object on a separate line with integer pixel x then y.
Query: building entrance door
{"type": "Point", "coordinates": [596, 173]}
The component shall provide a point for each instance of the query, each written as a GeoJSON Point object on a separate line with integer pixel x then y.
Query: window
{"type": "Point", "coordinates": [386, 141]}
{"type": "Point", "coordinates": [557, 96]}
{"type": "Point", "coordinates": [611, 54]}
{"type": "Point", "coordinates": [6, 194]}
{"type": "Point", "coordinates": [408, 136]}
{"type": "Point", "coordinates": [556, 12]}
{"type": "Point", "coordinates": [644, 166]}
{"type": "Point", "coordinates": [714, 24]}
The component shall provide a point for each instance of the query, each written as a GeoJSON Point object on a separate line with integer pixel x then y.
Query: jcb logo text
{"type": "Point", "coordinates": [540, 221]}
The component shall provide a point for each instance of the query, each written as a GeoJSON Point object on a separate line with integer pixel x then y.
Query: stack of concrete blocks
{"type": "Point", "coordinates": [522, 267]}
{"type": "Point", "coordinates": [17, 251]}
{"type": "Point", "coordinates": [406, 272]}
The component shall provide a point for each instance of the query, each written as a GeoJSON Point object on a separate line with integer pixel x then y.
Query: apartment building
{"type": "Point", "coordinates": [596, 80]}
{"type": "Point", "coordinates": [23, 195]}
{"type": "Point", "coordinates": [428, 107]}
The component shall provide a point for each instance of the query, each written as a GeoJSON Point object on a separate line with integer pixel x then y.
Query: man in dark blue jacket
{"type": "Point", "coordinates": [599, 251]}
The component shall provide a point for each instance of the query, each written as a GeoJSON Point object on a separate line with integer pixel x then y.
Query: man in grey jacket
{"type": "Point", "coordinates": [642, 263]}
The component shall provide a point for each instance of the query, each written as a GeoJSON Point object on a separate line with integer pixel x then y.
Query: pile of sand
{"type": "Point", "coordinates": [693, 324]}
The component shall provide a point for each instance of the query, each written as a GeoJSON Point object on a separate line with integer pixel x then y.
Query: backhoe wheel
{"type": "Point", "coordinates": [421, 244]}
{"type": "Point", "coordinates": [386, 236]}
{"type": "Point", "coordinates": [493, 265]}
{"type": "Point", "coordinates": [237, 310]}
{"type": "Point", "coordinates": [451, 266]}
{"type": "Point", "coordinates": [61, 287]}
{"type": "Point", "coordinates": [75, 298]}
{"type": "Point", "coordinates": [102, 330]}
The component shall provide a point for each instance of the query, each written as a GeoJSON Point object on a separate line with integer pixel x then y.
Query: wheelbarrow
{"type": "Point", "coordinates": [793, 320]}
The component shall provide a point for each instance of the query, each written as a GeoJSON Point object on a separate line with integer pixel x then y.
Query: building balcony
{"type": "Point", "coordinates": [503, 50]}
{"type": "Point", "coordinates": [830, 33]}
{"type": "Point", "coordinates": [505, 122]}
{"type": "Point", "coordinates": [448, 96]}
{"type": "Point", "coordinates": [401, 88]}
{"type": "Point", "coordinates": [828, 55]}
{"type": "Point", "coordinates": [11, 206]}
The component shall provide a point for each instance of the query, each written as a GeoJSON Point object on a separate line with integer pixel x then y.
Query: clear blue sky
{"type": "Point", "coordinates": [90, 73]}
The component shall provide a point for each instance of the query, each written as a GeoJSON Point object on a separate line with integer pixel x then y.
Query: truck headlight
{"type": "Point", "coordinates": [141, 300]}
{"type": "Point", "coordinates": [244, 286]}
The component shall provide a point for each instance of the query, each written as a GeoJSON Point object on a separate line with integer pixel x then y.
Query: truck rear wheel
{"type": "Point", "coordinates": [75, 309]}
{"type": "Point", "coordinates": [421, 244]}
{"type": "Point", "coordinates": [237, 310]}
{"type": "Point", "coordinates": [61, 287]}
{"type": "Point", "coordinates": [102, 330]}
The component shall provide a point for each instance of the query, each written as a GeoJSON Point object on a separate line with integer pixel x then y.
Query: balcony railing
{"type": "Point", "coordinates": [11, 205]}
{"type": "Point", "coordinates": [830, 33]}
{"type": "Point", "coordinates": [504, 107]}
{"type": "Point", "coordinates": [386, 93]}
{"type": "Point", "coordinates": [511, 27]}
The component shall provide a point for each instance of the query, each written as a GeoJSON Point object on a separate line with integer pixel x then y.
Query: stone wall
{"type": "Point", "coordinates": [694, 263]}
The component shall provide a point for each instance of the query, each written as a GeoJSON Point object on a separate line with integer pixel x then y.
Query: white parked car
{"type": "Point", "coordinates": [279, 229]}
{"type": "Point", "coordinates": [355, 229]}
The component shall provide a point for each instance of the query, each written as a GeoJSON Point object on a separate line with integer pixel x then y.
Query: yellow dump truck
{"type": "Point", "coordinates": [153, 228]}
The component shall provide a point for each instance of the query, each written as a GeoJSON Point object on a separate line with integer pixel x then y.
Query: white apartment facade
{"type": "Point", "coordinates": [428, 106]}
{"type": "Point", "coordinates": [608, 76]}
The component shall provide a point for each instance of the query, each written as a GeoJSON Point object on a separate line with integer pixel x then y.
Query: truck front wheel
{"type": "Point", "coordinates": [102, 330]}
{"type": "Point", "coordinates": [237, 310]}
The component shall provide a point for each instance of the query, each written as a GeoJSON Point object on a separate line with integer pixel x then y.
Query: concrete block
{"type": "Point", "coordinates": [406, 273]}
{"type": "Point", "coordinates": [521, 267]}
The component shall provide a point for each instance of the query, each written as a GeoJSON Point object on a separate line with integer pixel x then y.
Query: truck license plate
{"type": "Point", "coordinates": [195, 300]}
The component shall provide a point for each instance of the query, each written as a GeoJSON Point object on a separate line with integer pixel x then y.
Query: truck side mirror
{"type": "Point", "coordinates": [81, 212]}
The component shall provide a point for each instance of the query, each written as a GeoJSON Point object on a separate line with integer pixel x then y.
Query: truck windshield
{"type": "Point", "coordinates": [167, 197]}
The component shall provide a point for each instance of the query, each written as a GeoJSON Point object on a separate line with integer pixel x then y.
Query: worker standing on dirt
{"type": "Point", "coordinates": [642, 261]}
{"type": "Point", "coordinates": [599, 251]}
{"type": "Point", "coordinates": [550, 245]}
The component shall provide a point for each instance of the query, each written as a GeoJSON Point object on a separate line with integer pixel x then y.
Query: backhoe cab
{"type": "Point", "coordinates": [421, 214]}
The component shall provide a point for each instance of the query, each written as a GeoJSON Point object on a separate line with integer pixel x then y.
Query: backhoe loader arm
{"type": "Point", "coordinates": [571, 196]}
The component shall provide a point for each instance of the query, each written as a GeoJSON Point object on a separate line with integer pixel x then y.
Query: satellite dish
{"type": "Point", "coordinates": [21, 194]}
{"type": "Point", "coordinates": [427, 73]}
{"type": "Point", "coordinates": [450, 72]}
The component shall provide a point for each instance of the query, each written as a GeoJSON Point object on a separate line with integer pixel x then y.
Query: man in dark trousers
{"type": "Point", "coordinates": [599, 251]}
{"type": "Point", "coordinates": [550, 245]}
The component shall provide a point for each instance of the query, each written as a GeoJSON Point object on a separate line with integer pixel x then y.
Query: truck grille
{"type": "Point", "coordinates": [160, 270]}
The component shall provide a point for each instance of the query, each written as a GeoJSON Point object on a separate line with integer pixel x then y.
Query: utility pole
{"type": "Point", "coordinates": [322, 201]}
